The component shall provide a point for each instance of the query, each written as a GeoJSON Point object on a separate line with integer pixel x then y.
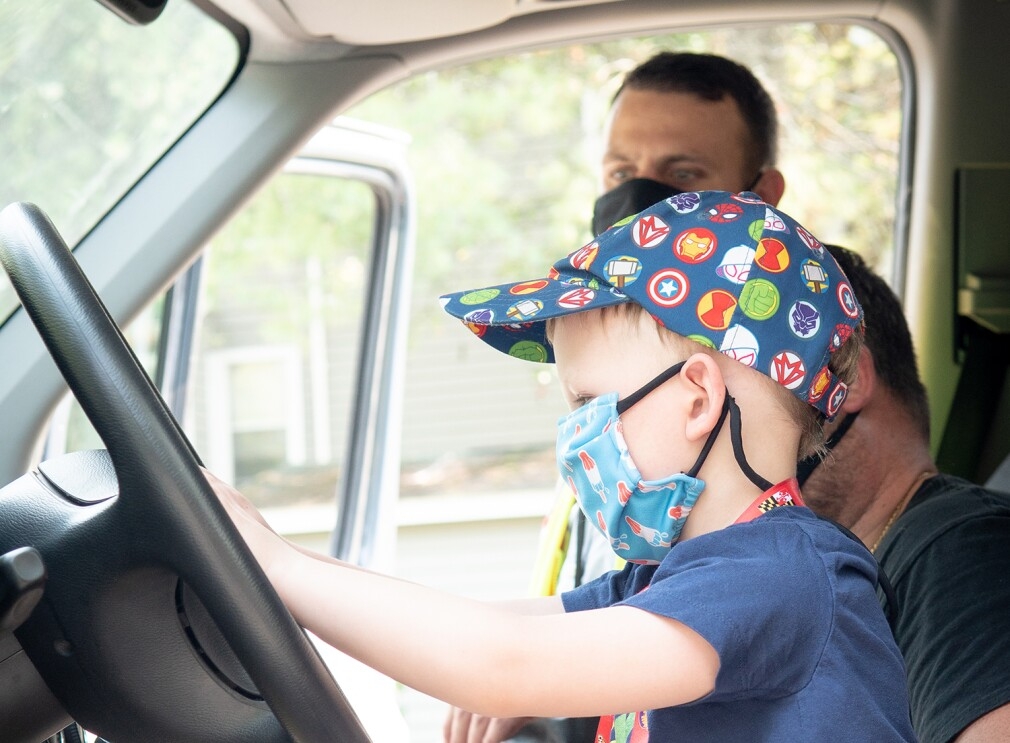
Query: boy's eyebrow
{"type": "Point", "coordinates": [569, 390]}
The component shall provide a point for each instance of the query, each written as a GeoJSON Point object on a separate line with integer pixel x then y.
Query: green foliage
{"type": "Point", "coordinates": [505, 150]}
{"type": "Point", "coordinates": [88, 102]}
{"type": "Point", "coordinates": [299, 232]}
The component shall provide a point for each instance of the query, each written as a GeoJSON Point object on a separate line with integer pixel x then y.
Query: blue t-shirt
{"type": "Point", "coordinates": [789, 604]}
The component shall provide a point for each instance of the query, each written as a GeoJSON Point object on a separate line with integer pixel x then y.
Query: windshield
{"type": "Point", "coordinates": [89, 102]}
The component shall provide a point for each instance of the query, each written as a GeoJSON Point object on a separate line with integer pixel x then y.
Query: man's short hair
{"type": "Point", "coordinates": [887, 336]}
{"type": "Point", "coordinates": [712, 77]}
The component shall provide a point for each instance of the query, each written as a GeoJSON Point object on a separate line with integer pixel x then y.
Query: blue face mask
{"type": "Point", "coordinates": [642, 519]}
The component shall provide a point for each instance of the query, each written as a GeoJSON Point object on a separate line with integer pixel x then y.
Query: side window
{"type": "Point", "coordinates": [274, 359]}
{"type": "Point", "coordinates": [258, 348]}
{"type": "Point", "coordinates": [69, 429]}
{"type": "Point", "coordinates": [249, 432]}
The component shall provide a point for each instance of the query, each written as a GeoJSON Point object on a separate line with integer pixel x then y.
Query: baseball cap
{"type": "Point", "coordinates": [725, 270]}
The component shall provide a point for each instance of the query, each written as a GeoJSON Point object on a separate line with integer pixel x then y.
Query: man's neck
{"type": "Point", "coordinates": [896, 490]}
{"type": "Point", "coordinates": [868, 479]}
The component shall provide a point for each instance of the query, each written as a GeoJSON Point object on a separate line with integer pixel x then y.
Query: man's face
{"type": "Point", "coordinates": [678, 139]}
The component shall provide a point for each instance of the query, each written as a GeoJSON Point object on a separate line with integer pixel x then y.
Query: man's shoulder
{"type": "Point", "coordinates": [943, 509]}
{"type": "Point", "coordinates": [956, 498]}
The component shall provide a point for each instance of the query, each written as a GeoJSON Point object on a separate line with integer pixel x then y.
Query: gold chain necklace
{"type": "Point", "coordinates": [901, 505]}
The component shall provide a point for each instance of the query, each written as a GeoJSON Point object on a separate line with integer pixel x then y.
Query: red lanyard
{"type": "Point", "coordinates": [786, 493]}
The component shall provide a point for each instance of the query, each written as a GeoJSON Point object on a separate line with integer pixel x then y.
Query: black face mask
{"type": "Point", "coordinates": [634, 196]}
{"type": "Point", "coordinates": [806, 466]}
{"type": "Point", "coordinates": [628, 198]}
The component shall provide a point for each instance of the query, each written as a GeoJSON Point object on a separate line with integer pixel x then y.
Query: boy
{"type": "Point", "coordinates": [740, 615]}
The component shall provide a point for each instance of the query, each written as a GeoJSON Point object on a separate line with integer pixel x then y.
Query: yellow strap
{"type": "Point", "coordinates": [555, 536]}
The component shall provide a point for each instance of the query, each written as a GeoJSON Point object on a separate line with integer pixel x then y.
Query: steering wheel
{"type": "Point", "coordinates": [156, 622]}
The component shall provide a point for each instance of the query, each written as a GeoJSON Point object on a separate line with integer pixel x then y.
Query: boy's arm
{"type": "Point", "coordinates": [483, 657]}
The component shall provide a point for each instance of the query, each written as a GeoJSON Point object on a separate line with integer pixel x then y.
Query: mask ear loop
{"type": "Point", "coordinates": [727, 405]}
{"type": "Point", "coordinates": [710, 441]}
{"type": "Point", "coordinates": [737, 437]}
{"type": "Point", "coordinates": [623, 405]}
{"type": "Point", "coordinates": [839, 432]}
{"type": "Point", "coordinates": [806, 466]}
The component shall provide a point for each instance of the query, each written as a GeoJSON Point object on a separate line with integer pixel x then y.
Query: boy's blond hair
{"type": "Point", "coordinates": [807, 419]}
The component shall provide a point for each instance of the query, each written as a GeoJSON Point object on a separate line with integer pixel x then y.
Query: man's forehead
{"type": "Point", "coordinates": [646, 103]}
{"type": "Point", "coordinates": [690, 126]}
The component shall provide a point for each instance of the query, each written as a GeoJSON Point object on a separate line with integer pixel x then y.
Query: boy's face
{"type": "Point", "coordinates": [596, 355]}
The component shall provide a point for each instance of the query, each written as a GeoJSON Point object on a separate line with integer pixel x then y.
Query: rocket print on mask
{"type": "Point", "coordinates": [593, 475]}
{"type": "Point", "coordinates": [616, 543]}
{"type": "Point", "coordinates": [653, 536]}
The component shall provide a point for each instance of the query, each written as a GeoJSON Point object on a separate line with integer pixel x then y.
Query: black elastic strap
{"type": "Point", "coordinates": [758, 177]}
{"type": "Point", "coordinates": [729, 406]}
{"type": "Point", "coordinates": [806, 466]}
{"type": "Point", "coordinates": [580, 543]}
{"type": "Point", "coordinates": [737, 436]}
{"type": "Point", "coordinates": [710, 441]}
{"type": "Point", "coordinates": [636, 396]}
{"type": "Point", "coordinates": [841, 430]}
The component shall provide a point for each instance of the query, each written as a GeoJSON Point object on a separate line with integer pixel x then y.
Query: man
{"type": "Point", "coordinates": [942, 541]}
{"type": "Point", "coordinates": [679, 122]}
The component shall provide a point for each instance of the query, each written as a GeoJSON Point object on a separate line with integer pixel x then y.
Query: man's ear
{"type": "Point", "coordinates": [770, 186]}
{"type": "Point", "coordinates": [862, 389]}
{"type": "Point", "coordinates": [706, 391]}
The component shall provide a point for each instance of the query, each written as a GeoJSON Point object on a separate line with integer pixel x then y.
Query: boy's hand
{"type": "Point", "coordinates": [465, 727]}
{"type": "Point", "coordinates": [265, 544]}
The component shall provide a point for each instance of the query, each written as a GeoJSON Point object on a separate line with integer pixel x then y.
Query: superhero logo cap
{"type": "Point", "coordinates": [725, 270]}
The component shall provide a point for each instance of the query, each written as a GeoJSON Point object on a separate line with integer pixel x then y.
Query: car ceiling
{"type": "Point", "coordinates": [371, 23]}
{"type": "Point", "coordinates": [288, 30]}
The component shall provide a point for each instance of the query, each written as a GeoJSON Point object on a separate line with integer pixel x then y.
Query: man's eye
{"type": "Point", "coordinates": [621, 174]}
{"type": "Point", "coordinates": [684, 176]}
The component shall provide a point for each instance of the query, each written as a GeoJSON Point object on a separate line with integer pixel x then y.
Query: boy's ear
{"type": "Point", "coordinates": [707, 391]}
{"type": "Point", "coordinates": [862, 389]}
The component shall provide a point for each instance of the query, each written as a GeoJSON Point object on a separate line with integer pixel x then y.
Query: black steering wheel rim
{"type": "Point", "coordinates": [163, 494]}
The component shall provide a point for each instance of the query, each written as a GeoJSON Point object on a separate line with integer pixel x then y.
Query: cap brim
{"type": "Point", "coordinates": [511, 317]}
